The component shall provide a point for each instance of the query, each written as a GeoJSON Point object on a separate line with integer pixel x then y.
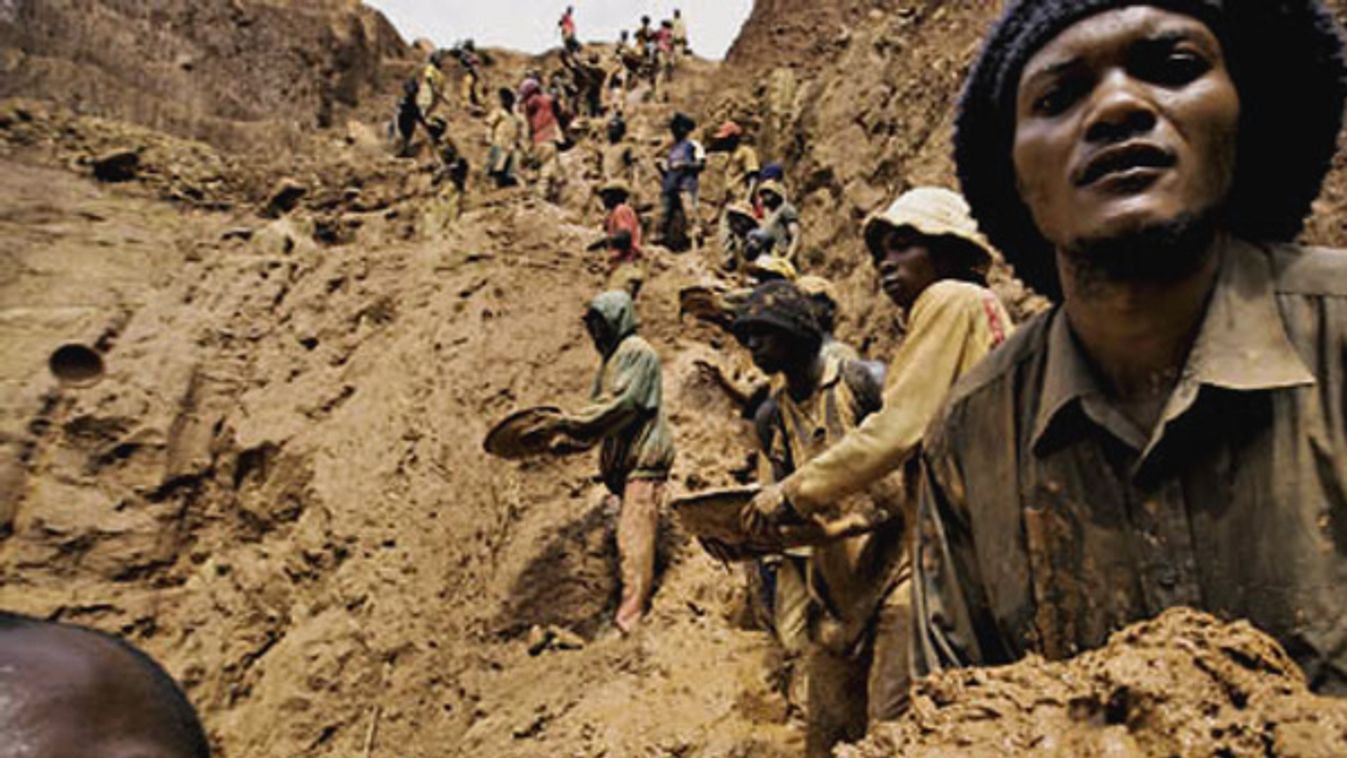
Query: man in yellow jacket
{"type": "Point", "coordinates": [932, 262]}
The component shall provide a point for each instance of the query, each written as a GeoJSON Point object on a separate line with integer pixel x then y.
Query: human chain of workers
{"type": "Point", "coordinates": [1172, 433]}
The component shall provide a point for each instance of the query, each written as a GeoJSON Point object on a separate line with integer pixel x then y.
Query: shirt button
{"type": "Point", "coordinates": [1168, 577]}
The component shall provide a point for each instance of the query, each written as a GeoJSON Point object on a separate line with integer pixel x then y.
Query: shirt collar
{"type": "Point", "coordinates": [1242, 346]}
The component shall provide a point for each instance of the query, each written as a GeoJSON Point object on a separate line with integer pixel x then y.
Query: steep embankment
{"type": "Point", "coordinates": [236, 73]}
{"type": "Point", "coordinates": [278, 488]}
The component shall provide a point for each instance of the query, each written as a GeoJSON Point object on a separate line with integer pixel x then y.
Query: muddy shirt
{"type": "Point", "coordinates": [542, 118]}
{"type": "Point", "coordinates": [778, 227]}
{"type": "Point", "coordinates": [623, 219]}
{"type": "Point", "coordinates": [432, 84]}
{"type": "Point", "coordinates": [506, 129]}
{"type": "Point", "coordinates": [1049, 520]}
{"type": "Point", "coordinates": [848, 578]}
{"type": "Point", "coordinates": [627, 408]}
{"type": "Point", "coordinates": [951, 327]}
{"type": "Point", "coordinates": [740, 170]}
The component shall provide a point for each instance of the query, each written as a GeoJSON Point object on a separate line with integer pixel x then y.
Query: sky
{"type": "Point", "coordinates": [531, 25]}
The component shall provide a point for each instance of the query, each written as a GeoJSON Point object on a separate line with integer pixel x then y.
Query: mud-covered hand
{"type": "Point", "coordinates": [767, 511]}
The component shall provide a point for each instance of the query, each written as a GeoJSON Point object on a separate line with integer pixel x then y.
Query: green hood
{"type": "Point", "coordinates": [619, 313]}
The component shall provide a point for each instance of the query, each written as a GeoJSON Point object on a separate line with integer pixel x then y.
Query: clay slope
{"type": "Point", "coordinates": [236, 73]}
{"type": "Point", "coordinates": [278, 488]}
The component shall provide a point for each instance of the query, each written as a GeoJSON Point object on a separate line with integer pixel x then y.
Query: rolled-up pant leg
{"type": "Point", "coordinates": [637, 527]}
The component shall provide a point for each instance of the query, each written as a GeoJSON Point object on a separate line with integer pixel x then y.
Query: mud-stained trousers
{"type": "Point", "coordinates": [547, 160]}
{"type": "Point", "coordinates": [637, 528]}
{"type": "Point", "coordinates": [847, 693]}
{"type": "Point", "coordinates": [790, 620]}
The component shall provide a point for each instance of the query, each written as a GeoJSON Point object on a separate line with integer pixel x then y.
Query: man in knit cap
{"type": "Point", "coordinates": [931, 260]}
{"type": "Point", "coordinates": [823, 294]}
{"type": "Point", "coordinates": [833, 591]}
{"type": "Point", "coordinates": [1173, 433]}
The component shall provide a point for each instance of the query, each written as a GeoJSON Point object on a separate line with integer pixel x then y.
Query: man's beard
{"type": "Point", "coordinates": [1157, 254]}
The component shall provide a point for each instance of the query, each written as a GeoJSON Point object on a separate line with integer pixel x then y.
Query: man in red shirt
{"type": "Point", "coordinates": [567, 25]}
{"type": "Point", "coordinates": [545, 133]}
{"type": "Point", "coordinates": [622, 238]}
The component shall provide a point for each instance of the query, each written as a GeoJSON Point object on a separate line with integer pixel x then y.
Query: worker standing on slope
{"type": "Point", "coordinates": [932, 262]}
{"type": "Point", "coordinates": [680, 34]}
{"type": "Point", "coordinates": [740, 182]}
{"type": "Point", "coordinates": [544, 135]}
{"type": "Point", "coordinates": [857, 651]}
{"type": "Point", "coordinates": [505, 133]}
{"type": "Point", "coordinates": [782, 222]}
{"type": "Point", "coordinates": [622, 238]}
{"type": "Point", "coordinates": [569, 42]}
{"type": "Point", "coordinates": [431, 91]}
{"type": "Point", "coordinates": [680, 221]}
{"type": "Point", "coordinates": [627, 417]}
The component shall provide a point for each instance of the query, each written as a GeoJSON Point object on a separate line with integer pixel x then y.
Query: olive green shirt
{"type": "Point", "coordinates": [1048, 520]}
{"type": "Point", "coordinates": [626, 409]}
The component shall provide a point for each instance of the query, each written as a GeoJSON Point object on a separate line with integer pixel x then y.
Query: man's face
{"type": "Point", "coordinates": [772, 348]}
{"type": "Point", "coordinates": [598, 329]}
{"type": "Point", "coordinates": [771, 200]}
{"type": "Point", "coordinates": [1126, 121]}
{"type": "Point", "coordinates": [906, 267]}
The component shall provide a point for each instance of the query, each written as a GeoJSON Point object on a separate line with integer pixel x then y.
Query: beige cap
{"type": "Point", "coordinates": [934, 212]}
{"type": "Point", "coordinates": [773, 186]}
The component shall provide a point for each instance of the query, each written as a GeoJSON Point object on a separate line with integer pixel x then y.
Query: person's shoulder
{"type": "Point", "coordinates": [956, 290]}
{"type": "Point", "coordinates": [1304, 270]}
{"type": "Point", "coordinates": [952, 296]}
{"type": "Point", "coordinates": [1029, 341]}
{"type": "Point", "coordinates": [637, 345]}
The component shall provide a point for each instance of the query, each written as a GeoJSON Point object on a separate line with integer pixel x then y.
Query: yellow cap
{"type": "Point", "coordinates": [934, 212]}
{"type": "Point", "coordinates": [771, 265]}
{"type": "Point", "coordinates": [773, 186]}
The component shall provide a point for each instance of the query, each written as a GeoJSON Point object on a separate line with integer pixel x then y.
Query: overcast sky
{"type": "Point", "coordinates": [531, 25]}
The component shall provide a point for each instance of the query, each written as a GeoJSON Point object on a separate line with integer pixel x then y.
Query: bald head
{"type": "Point", "coordinates": [67, 691]}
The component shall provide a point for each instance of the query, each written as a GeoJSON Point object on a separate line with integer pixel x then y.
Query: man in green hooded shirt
{"type": "Point", "coordinates": [627, 415]}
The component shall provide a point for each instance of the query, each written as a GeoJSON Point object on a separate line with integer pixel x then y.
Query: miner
{"type": "Point", "coordinates": [857, 651]}
{"type": "Point", "coordinates": [1173, 432]}
{"type": "Point", "coordinates": [932, 262]}
{"type": "Point", "coordinates": [627, 417]}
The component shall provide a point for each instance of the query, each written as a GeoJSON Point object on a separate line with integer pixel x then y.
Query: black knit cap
{"type": "Point", "coordinates": [780, 305]}
{"type": "Point", "coordinates": [1285, 58]}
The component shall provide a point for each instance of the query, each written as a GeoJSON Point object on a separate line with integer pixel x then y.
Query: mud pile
{"type": "Point", "coordinates": [1182, 684]}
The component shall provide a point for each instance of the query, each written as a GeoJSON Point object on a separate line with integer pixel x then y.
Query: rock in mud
{"type": "Point", "coordinates": [117, 166]}
{"type": "Point", "coordinates": [284, 197]}
{"type": "Point", "coordinates": [1183, 684]}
